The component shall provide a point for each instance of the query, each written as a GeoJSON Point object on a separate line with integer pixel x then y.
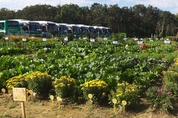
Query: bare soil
{"type": "Point", "coordinates": [49, 109]}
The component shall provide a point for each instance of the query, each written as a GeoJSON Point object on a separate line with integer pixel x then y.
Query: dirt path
{"type": "Point", "coordinates": [45, 109]}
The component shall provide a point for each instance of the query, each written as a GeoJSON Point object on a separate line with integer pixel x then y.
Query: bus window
{"type": "Point", "coordinates": [2, 26]}
{"type": "Point", "coordinates": [12, 24]}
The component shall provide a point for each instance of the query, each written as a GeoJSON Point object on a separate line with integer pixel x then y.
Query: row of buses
{"type": "Point", "coordinates": [50, 29]}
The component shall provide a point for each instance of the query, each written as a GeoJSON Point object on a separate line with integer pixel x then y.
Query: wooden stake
{"type": "Point", "coordinates": [23, 110]}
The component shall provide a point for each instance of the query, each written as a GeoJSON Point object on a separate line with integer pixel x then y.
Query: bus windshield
{"type": "Point", "coordinates": [63, 28]}
{"type": "Point", "coordinates": [52, 27]}
{"type": "Point", "coordinates": [34, 26]}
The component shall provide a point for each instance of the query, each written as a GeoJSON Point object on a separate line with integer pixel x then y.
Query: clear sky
{"type": "Point", "coordinates": [165, 5]}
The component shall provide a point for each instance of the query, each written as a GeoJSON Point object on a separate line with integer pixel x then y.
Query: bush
{"type": "Point", "coordinates": [124, 92]}
{"type": "Point", "coordinates": [40, 83]}
{"type": "Point", "coordinates": [64, 86]}
{"type": "Point", "coordinates": [98, 88]}
{"type": "Point", "coordinates": [1, 36]}
{"type": "Point", "coordinates": [16, 81]}
{"type": "Point", "coordinates": [160, 98]}
{"type": "Point", "coordinates": [172, 87]}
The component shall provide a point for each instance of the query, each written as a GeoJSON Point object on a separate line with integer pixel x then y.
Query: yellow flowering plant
{"type": "Point", "coordinates": [16, 81]}
{"type": "Point", "coordinates": [98, 88]}
{"type": "Point", "coordinates": [64, 86]}
{"type": "Point", "coordinates": [124, 92]}
{"type": "Point", "coordinates": [40, 83]}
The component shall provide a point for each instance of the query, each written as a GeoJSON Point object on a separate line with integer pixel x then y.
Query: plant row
{"type": "Point", "coordinates": [77, 68]}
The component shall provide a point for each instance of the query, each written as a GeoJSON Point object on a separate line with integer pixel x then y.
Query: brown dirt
{"type": "Point", "coordinates": [45, 109]}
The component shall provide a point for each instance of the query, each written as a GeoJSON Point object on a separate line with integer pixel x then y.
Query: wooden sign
{"type": "Point", "coordinates": [19, 94]}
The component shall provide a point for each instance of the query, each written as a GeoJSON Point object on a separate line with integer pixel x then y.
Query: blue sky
{"type": "Point", "coordinates": [165, 5]}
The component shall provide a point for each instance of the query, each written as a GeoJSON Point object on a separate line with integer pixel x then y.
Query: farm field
{"type": "Point", "coordinates": [98, 79]}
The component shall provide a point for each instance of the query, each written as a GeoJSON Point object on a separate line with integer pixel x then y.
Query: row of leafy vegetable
{"type": "Point", "coordinates": [86, 61]}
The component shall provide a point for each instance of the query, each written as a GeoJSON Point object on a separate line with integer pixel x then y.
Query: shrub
{"type": "Point", "coordinates": [40, 83]}
{"type": "Point", "coordinates": [16, 81]}
{"type": "Point", "coordinates": [170, 76]}
{"type": "Point", "coordinates": [1, 36]}
{"type": "Point", "coordinates": [160, 98]}
{"type": "Point", "coordinates": [124, 92]}
{"type": "Point", "coordinates": [98, 88]}
{"type": "Point", "coordinates": [64, 86]}
{"type": "Point", "coordinates": [172, 87]}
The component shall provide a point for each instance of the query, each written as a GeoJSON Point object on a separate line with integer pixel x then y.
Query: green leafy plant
{"type": "Point", "coordinates": [160, 98]}
{"type": "Point", "coordinates": [1, 36]}
{"type": "Point", "coordinates": [172, 87]}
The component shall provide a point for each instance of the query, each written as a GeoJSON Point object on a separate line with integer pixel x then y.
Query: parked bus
{"type": "Point", "coordinates": [103, 31]}
{"type": "Point", "coordinates": [29, 28]}
{"type": "Point", "coordinates": [74, 30]}
{"type": "Point", "coordinates": [49, 29]}
{"type": "Point", "coordinates": [107, 31]}
{"type": "Point", "coordinates": [84, 29]}
{"type": "Point", "coordinates": [62, 29]}
{"type": "Point", "coordinates": [9, 27]}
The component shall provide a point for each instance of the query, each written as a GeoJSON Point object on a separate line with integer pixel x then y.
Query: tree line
{"type": "Point", "coordinates": [136, 21]}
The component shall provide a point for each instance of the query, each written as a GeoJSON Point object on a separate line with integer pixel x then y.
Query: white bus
{"type": "Point", "coordinates": [83, 28]}
{"type": "Point", "coordinates": [102, 31]}
{"type": "Point", "coordinates": [62, 29]}
{"type": "Point", "coordinates": [9, 27]}
{"type": "Point", "coordinates": [49, 29]}
{"type": "Point", "coordinates": [31, 28]}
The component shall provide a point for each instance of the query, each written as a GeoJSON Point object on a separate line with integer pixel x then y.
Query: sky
{"type": "Point", "coordinates": [165, 5]}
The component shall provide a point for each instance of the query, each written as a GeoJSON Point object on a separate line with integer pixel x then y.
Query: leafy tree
{"type": "Point", "coordinates": [6, 14]}
{"type": "Point", "coordinates": [69, 14]}
{"type": "Point", "coordinates": [136, 21]}
{"type": "Point", "coordinates": [38, 12]}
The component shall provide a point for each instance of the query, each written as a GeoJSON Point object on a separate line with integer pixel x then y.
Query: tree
{"type": "Point", "coordinates": [38, 12]}
{"type": "Point", "coordinates": [114, 18]}
{"type": "Point", "coordinates": [69, 14]}
{"type": "Point", "coordinates": [6, 14]}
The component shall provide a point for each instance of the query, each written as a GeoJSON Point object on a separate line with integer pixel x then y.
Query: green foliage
{"type": "Point", "coordinates": [143, 24]}
{"type": "Point", "coordinates": [170, 78]}
{"type": "Point", "coordinates": [1, 36]}
{"type": "Point", "coordinates": [85, 61]}
{"type": "Point", "coordinates": [40, 83]}
{"type": "Point", "coordinates": [160, 98]}
{"type": "Point", "coordinates": [118, 36]}
{"type": "Point", "coordinates": [130, 41]}
{"type": "Point", "coordinates": [172, 87]}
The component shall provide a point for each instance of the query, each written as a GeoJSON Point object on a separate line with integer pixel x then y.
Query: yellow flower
{"type": "Point", "coordinates": [51, 97]}
{"type": "Point", "coordinates": [90, 96]}
{"type": "Point", "coordinates": [124, 102]}
{"type": "Point", "coordinates": [119, 95]}
{"type": "Point", "coordinates": [114, 100]}
{"type": "Point", "coordinates": [59, 99]}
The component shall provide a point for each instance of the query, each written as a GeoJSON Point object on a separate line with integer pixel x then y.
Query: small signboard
{"type": "Point", "coordinates": [19, 94]}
